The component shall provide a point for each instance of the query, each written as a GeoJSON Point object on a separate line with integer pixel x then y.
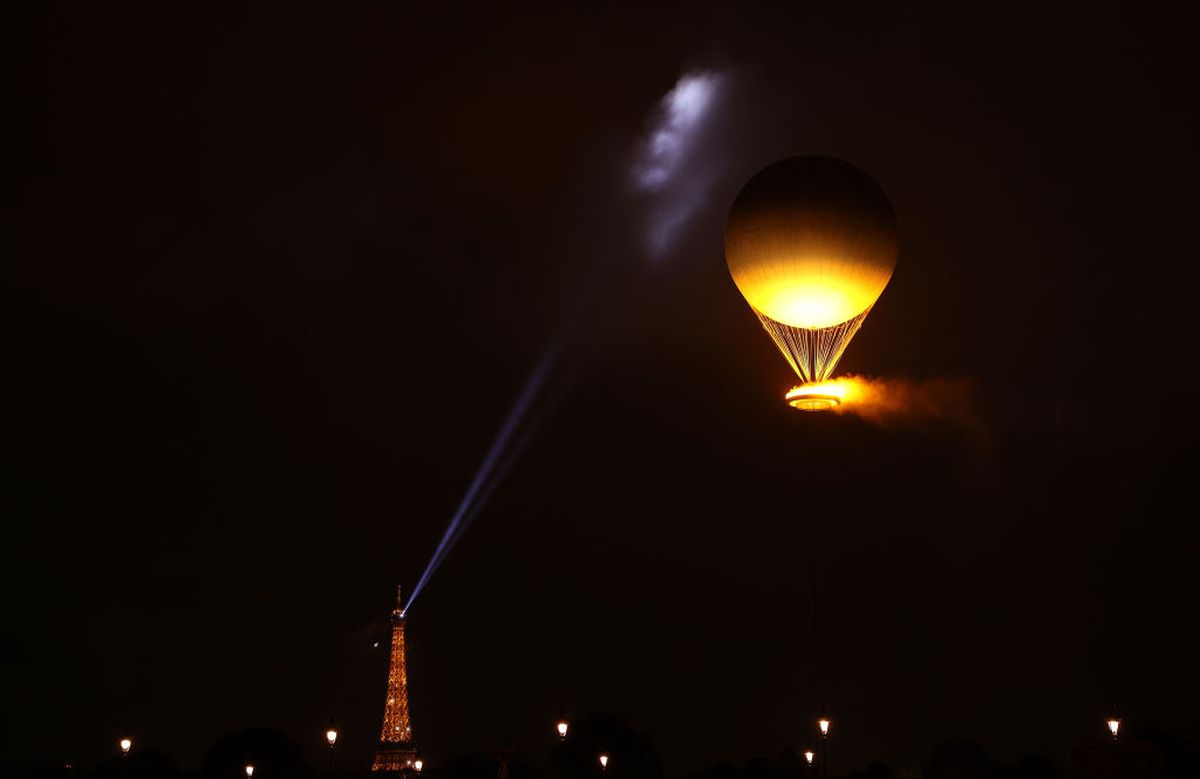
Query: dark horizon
{"type": "Point", "coordinates": [633, 755]}
{"type": "Point", "coordinates": [278, 275]}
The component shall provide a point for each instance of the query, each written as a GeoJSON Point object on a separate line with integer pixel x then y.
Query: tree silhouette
{"type": "Point", "coordinates": [873, 771]}
{"type": "Point", "coordinates": [273, 755]}
{"type": "Point", "coordinates": [1108, 758]}
{"type": "Point", "coordinates": [631, 754]}
{"type": "Point", "coordinates": [1031, 768]}
{"type": "Point", "coordinates": [138, 765]}
{"type": "Point", "coordinates": [959, 759]}
{"type": "Point", "coordinates": [486, 765]}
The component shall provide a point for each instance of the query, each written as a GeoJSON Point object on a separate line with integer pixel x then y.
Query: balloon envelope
{"type": "Point", "coordinates": [811, 242]}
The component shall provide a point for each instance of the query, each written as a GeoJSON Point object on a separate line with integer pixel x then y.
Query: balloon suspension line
{"type": "Point", "coordinates": [812, 352]}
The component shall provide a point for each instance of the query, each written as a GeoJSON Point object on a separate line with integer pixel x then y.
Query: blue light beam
{"type": "Point", "coordinates": [487, 477]}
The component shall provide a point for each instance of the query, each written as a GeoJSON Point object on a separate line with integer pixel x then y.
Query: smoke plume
{"type": "Point", "coordinates": [903, 403]}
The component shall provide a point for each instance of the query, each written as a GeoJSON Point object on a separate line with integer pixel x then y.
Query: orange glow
{"type": "Point", "coordinates": [823, 724]}
{"type": "Point", "coordinates": [946, 403]}
{"type": "Point", "coordinates": [805, 297]}
{"type": "Point", "coordinates": [126, 745]}
{"type": "Point", "coordinates": [809, 755]}
{"type": "Point", "coordinates": [811, 242]}
{"type": "Point", "coordinates": [949, 405]}
{"type": "Point", "coordinates": [562, 728]}
{"type": "Point", "coordinates": [604, 761]}
{"type": "Point", "coordinates": [331, 736]}
{"type": "Point", "coordinates": [418, 765]}
{"type": "Point", "coordinates": [1114, 725]}
{"type": "Point", "coordinates": [249, 770]}
{"type": "Point", "coordinates": [821, 395]}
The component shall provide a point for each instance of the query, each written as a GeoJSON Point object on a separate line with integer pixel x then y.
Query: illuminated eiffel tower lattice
{"type": "Point", "coordinates": [396, 753]}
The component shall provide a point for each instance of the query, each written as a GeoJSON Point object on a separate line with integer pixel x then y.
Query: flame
{"type": "Point", "coordinates": [818, 395]}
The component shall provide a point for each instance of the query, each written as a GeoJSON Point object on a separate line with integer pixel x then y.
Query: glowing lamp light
{"type": "Point", "coordinates": [562, 727]}
{"type": "Point", "coordinates": [603, 762]}
{"type": "Point", "coordinates": [126, 745]}
{"type": "Point", "coordinates": [249, 770]}
{"type": "Point", "coordinates": [331, 736]}
{"type": "Point", "coordinates": [809, 756]}
{"type": "Point", "coordinates": [418, 765]}
{"type": "Point", "coordinates": [823, 724]}
{"type": "Point", "coordinates": [1114, 725]}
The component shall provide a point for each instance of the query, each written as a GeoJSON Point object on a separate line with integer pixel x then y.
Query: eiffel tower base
{"type": "Point", "coordinates": [395, 760]}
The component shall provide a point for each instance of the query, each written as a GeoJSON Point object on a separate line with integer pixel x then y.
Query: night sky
{"type": "Point", "coordinates": [275, 277]}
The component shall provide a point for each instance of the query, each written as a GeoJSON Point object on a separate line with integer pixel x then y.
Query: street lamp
{"type": "Point", "coordinates": [249, 770]}
{"type": "Point", "coordinates": [809, 756]}
{"type": "Point", "coordinates": [603, 762]}
{"type": "Point", "coordinates": [331, 738]}
{"type": "Point", "coordinates": [126, 745]}
{"type": "Point", "coordinates": [418, 765]}
{"type": "Point", "coordinates": [562, 727]}
{"type": "Point", "coordinates": [1114, 725]}
{"type": "Point", "coordinates": [823, 725]}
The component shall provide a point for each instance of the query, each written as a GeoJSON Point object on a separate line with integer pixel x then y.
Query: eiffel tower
{"type": "Point", "coordinates": [396, 755]}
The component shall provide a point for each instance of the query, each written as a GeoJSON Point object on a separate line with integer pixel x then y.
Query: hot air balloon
{"type": "Point", "coordinates": [811, 242]}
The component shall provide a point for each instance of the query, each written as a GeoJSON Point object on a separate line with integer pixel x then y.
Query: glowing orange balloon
{"type": "Point", "coordinates": [811, 242]}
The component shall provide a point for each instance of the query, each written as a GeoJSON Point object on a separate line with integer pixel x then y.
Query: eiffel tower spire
{"type": "Point", "coordinates": [396, 753]}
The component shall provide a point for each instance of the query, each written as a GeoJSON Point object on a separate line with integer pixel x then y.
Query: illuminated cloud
{"type": "Point", "coordinates": [669, 167]}
{"type": "Point", "coordinates": [681, 119]}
